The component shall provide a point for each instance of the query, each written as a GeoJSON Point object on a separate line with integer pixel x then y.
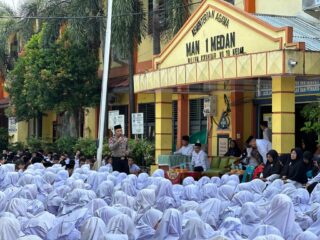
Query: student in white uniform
{"type": "Point", "coordinates": [263, 146]}
{"type": "Point", "coordinates": [186, 148]}
{"type": "Point", "coordinates": [199, 159]}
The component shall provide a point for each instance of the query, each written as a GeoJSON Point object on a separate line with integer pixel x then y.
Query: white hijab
{"type": "Point", "coordinates": [106, 213]}
{"type": "Point", "coordinates": [307, 235]}
{"type": "Point", "coordinates": [301, 200]}
{"type": "Point", "coordinates": [93, 229]}
{"type": "Point", "coordinates": [147, 223]}
{"type": "Point", "coordinates": [170, 226]}
{"type": "Point", "coordinates": [196, 229]}
{"type": "Point", "coordinates": [210, 211]}
{"type": "Point", "coordinates": [9, 228]}
{"type": "Point", "coordinates": [231, 228]}
{"type": "Point", "coordinates": [122, 224]}
{"type": "Point", "coordinates": [39, 225]}
{"type": "Point", "coordinates": [263, 230]}
{"type": "Point", "coordinates": [281, 215]}
{"type": "Point", "coordinates": [315, 227]}
{"type": "Point", "coordinates": [105, 191]}
{"type": "Point", "coordinates": [192, 193]}
{"type": "Point", "coordinates": [250, 218]}
{"type": "Point", "coordinates": [146, 199]}
{"type": "Point", "coordinates": [209, 190]}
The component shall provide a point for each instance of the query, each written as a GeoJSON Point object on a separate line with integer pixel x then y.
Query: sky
{"type": "Point", "coordinates": [13, 3]}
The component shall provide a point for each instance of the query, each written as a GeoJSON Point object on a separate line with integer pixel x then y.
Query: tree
{"type": "Point", "coordinates": [167, 19]}
{"type": "Point", "coordinates": [61, 77]}
{"type": "Point", "coordinates": [128, 31]}
{"type": "Point", "coordinates": [311, 112]}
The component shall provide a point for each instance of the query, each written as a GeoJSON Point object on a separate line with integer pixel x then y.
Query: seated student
{"type": "Point", "coordinates": [82, 161]}
{"type": "Point", "coordinates": [108, 163]}
{"type": "Point", "coordinates": [20, 166]}
{"type": "Point", "coordinates": [316, 175]}
{"type": "Point", "coordinates": [2, 160]}
{"type": "Point", "coordinates": [307, 159]}
{"type": "Point", "coordinates": [199, 159]}
{"type": "Point", "coordinates": [90, 161]}
{"type": "Point", "coordinates": [133, 168]}
{"type": "Point", "coordinates": [256, 159]}
{"type": "Point", "coordinates": [234, 150]}
{"type": "Point", "coordinates": [296, 170]}
{"type": "Point", "coordinates": [272, 169]}
{"type": "Point", "coordinates": [186, 148]}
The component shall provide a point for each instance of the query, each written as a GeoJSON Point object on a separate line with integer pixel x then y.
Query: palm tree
{"type": "Point", "coordinates": [128, 31]}
{"type": "Point", "coordinates": [168, 16]}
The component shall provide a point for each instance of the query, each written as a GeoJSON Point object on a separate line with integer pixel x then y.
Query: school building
{"type": "Point", "coordinates": [250, 61]}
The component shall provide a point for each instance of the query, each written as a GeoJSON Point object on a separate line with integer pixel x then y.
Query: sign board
{"type": "Point", "coordinates": [223, 144]}
{"type": "Point", "coordinates": [264, 88]}
{"type": "Point", "coordinates": [12, 125]}
{"type": "Point", "coordinates": [112, 118]}
{"type": "Point", "coordinates": [210, 106]}
{"type": "Point", "coordinates": [137, 123]}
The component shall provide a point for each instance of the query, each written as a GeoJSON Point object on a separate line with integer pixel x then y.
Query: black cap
{"type": "Point", "coordinates": [197, 144]}
{"type": "Point", "coordinates": [186, 138]}
{"type": "Point", "coordinates": [117, 127]}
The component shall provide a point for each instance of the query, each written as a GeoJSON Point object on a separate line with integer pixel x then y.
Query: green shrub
{"type": "Point", "coordinates": [14, 147]}
{"type": "Point", "coordinates": [142, 151]}
{"type": "Point", "coordinates": [65, 145]}
{"type": "Point", "coordinates": [87, 146]}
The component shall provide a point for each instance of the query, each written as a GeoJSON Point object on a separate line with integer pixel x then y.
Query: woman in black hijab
{"type": "Point", "coordinates": [273, 165]}
{"type": "Point", "coordinates": [296, 169]}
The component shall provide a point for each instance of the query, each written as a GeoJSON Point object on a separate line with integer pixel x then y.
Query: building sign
{"type": "Point", "coordinates": [215, 46]}
{"type": "Point", "coordinates": [264, 88]}
{"type": "Point", "coordinates": [137, 123]}
{"type": "Point", "coordinates": [12, 125]}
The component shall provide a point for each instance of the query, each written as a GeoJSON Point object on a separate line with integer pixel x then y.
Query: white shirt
{"type": "Point", "coordinates": [185, 150]}
{"type": "Point", "coordinates": [200, 159]}
{"type": "Point", "coordinates": [263, 147]}
{"type": "Point", "coordinates": [267, 134]}
{"type": "Point", "coordinates": [315, 179]}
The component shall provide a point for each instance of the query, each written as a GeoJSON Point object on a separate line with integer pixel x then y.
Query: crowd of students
{"type": "Point", "coordinates": [41, 202]}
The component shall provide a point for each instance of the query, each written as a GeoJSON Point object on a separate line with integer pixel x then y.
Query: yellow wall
{"type": "Point", "coordinates": [279, 7]}
{"type": "Point", "coordinates": [248, 114]}
{"type": "Point", "coordinates": [47, 125]}
{"type": "Point", "coordinates": [90, 123]}
{"type": "Point", "coordinates": [21, 134]}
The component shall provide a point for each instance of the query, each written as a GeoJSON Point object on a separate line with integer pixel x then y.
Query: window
{"type": "Point", "coordinates": [148, 110]}
{"type": "Point", "coordinates": [123, 110]}
{"type": "Point", "coordinates": [197, 122]}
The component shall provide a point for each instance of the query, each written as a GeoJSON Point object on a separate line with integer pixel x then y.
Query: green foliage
{"type": "Point", "coordinates": [142, 151]}
{"type": "Point", "coordinates": [35, 144]}
{"type": "Point", "coordinates": [87, 147]}
{"type": "Point", "coordinates": [60, 77]}
{"type": "Point", "coordinates": [14, 147]}
{"type": "Point", "coordinates": [65, 145]}
{"type": "Point", "coordinates": [311, 112]}
{"type": "Point", "coordinates": [176, 13]}
{"type": "Point", "coordinates": [129, 28]}
{"type": "Point", "coordinates": [3, 138]}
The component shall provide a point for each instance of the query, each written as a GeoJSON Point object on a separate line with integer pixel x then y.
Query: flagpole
{"type": "Point", "coordinates": [104, 90]}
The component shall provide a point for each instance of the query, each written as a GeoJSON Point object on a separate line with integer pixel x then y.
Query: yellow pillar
{"type": "Point", "coordinates": [21, 133]}
{"type": "Point", "coordinates": [90, 126]}
{"type": "Point", "coordinates": [283, 113]}
{"type": "Point", "coordinates": [163, 123]}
